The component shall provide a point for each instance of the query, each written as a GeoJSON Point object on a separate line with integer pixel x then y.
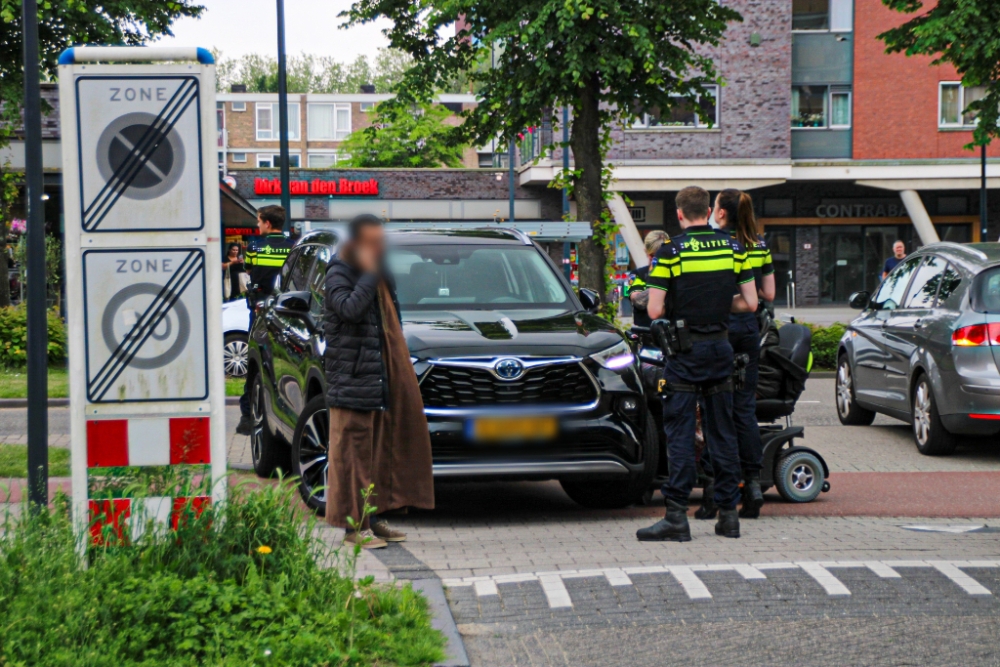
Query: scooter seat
{"type": "Point", "coordinates": [772, 409]}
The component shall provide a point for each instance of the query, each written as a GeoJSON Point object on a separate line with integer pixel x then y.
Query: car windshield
{"type": "Point", "coordinates": [474, 277]}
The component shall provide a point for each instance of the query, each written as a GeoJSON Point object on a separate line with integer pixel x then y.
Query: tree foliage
{"type": "Point", "coordinates": [605, 59]}
{"type": "Point", "coordinates": [964, 34]}
{"type": "Point", "coordinates": [312, 74]}
{"type": "Point", "coordinates": [414, 138]}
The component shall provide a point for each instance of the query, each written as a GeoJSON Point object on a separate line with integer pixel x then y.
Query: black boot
{"type": "Point", "coordinates": [708, 507]}
{"type": "Point", "coordinates": [753, 497]}
{"type": "Point", "coordinates": [672, 528]}
{"type": "Point", "coordinates": [245, 427]}
{"type": "Point", "coordinates": [728, 524]}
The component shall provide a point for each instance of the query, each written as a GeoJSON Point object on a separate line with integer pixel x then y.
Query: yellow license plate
{"type": "Point", "coordinates": [506, 429]}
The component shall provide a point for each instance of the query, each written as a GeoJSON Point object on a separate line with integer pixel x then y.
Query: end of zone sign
{"type": "Point", "coordinates": [139, 153]}
{"type": "Point", "coordinates": [145, 329]}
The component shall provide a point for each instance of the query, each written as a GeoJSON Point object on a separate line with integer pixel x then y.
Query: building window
{"type": "Point", "coordinates": [832, 15]}
{"type": "Point", "coordinates": [485, 160]}
{"type": "Point", "coordinates": [820, 107]}
{"type": "Point", "coordinates": [779, 207]}
{"type": "Point", "coordinates": [267, 121]}
{"type": "Point", "coordinates": [272, 160]}
{"type": "Point", "coordinates": [329, 122]}
{"type": "Point", "coordinates": [239, 106]}
{"type": "Point", "coordinates": [322, 160]}
{"type": "Point", "coordinates": [367, 106]}
{"type": "Point", "coordinates": [954, 98]}
{"type": "Point", "coordinates": [239, 157]}
{"type": "Point", "coordinates": [682, 113]}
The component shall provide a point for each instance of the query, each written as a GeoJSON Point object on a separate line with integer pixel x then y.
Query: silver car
{"type": "Point", "coordinates": [926, 347]}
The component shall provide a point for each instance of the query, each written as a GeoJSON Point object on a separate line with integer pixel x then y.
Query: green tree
{"type": "Point", "coordinates": [404, 137]}
{"type": "Point", "coordinates": [964, 34]}
{"type": "Point", "coordinates": [603, 58]}
{"type": "Point", "coordinates": [312, 74]}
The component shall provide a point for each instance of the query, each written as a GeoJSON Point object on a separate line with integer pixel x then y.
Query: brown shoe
{"type": "Point", "coordinates": [382, 530]}
{"type": "Point", "coordinates": [366, 539]}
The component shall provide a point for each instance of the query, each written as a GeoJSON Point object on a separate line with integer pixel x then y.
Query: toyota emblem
{"type": "Point", "coordinates": [509, 369]}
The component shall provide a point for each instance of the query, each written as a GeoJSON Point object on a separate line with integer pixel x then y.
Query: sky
{"type": "Point", "coordinates": [238, 27]}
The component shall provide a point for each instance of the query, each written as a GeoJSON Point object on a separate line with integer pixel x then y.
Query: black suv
{"type": "Point", "coordinates": [520, 380]}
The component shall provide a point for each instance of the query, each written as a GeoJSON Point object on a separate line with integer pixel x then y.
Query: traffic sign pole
{"type": "Point", "coordinates": [38, 333]}
{"type": "Point", "coordinates": [286, 196]}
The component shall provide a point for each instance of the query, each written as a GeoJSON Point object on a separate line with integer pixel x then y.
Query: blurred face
{"type": "Point", "coordinates": [234, 252]}
{"type": "Point", "coordinates": [263, 225]}
{"type": "Point", "coordinates": [899, 249]}
{"type": "Point", "coordinates": [371, 239]}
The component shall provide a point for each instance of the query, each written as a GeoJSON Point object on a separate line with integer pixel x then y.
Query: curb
{"type": "Point", "coordinates": [443, 621]}
{"type": "Point", "coordinates": [8, 403]}
{"type": "Point", "coordinates": [824, 375]}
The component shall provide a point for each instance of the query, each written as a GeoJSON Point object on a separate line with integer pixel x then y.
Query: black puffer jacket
{"type": "Point", "coordinates": [355, 373]}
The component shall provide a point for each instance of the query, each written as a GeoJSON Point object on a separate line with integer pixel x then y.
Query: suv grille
{"type": "Point", "coordinates": [462, 387]}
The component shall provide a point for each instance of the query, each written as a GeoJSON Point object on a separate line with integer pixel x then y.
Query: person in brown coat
{"type": "Point", "coordinates": [378, 431]}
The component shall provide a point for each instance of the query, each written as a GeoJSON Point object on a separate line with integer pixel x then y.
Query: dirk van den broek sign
{"type": "Point", "coordinates": [344, 186]}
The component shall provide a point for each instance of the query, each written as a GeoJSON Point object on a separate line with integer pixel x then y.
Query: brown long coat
{"type": "Point", "coordinates": [390, 449]}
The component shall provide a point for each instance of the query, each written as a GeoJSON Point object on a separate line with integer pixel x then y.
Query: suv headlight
{"type": "Point", "coordinates": [616, 357]}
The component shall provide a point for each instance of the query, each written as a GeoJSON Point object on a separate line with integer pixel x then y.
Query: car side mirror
{"type": "Point", "coordinates": [859, 300]}
{"type": "Point", "coordinates": [293, 302]}
{"type": "Point", "coordinates": [590, 299]}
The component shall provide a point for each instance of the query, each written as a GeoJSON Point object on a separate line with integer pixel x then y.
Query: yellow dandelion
{"type": "Point", "coordinates": [263, 549]}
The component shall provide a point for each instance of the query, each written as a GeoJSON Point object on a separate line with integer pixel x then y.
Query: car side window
{"type": "Point", "coordinates": [298, 276]}
{"type": "Point", "coordinates": [890, 294]}
{"type": "Point", "coordinates": [286, 269]}
{"type": "Point", "coordinates": [926, 281]}
{"type": "Point", "coordinates": [949, 284]}
{"type": "Point", "coordinates": [317, 283]}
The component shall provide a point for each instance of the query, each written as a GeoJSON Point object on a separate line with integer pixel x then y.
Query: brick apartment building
{"type": "Point", "coordinates": [844, 148]}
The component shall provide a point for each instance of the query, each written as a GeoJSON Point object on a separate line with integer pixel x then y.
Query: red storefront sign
{"type": "Point", "coordinates": [343, 186]}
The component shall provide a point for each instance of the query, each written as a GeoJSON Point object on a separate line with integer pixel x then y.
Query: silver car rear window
{"type": "Point", "coordinates": [986, 291]}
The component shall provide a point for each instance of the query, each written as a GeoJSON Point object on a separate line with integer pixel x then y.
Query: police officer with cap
{"type": "Point", "coordinates": [692, 281]}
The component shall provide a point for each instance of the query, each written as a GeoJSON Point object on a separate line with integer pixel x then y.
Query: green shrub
{"type": "Point", "coordinates": [238, 585]}
{"type": "Point", "coordinates": [824, 344]}
{"type": "Point", "coordinates": [14, 336]}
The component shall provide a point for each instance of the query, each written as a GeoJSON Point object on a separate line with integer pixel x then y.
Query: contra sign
{"type": "Point", "coordinates": [144, 325]}
{"type": "Point", "coordinates": [139, 150]}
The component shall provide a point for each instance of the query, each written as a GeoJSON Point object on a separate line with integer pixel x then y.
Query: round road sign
{"type": "Point", "coordinates": [133, 150]}
{"type": "Point", "coordinates": [167, 339]}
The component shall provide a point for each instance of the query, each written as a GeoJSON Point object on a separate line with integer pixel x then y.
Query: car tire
{"type": "Point", "coordinates": [235, 354]}
{"type": "Point", "coordinates": [310, 454]}
{"type": "Point", "coordinates": [614, 494]}
{"type": "Point", "coordinates": [267, 453]}
{"type": "Point", "coordinates": [799, 476]}
{"type": "Point", "coordinates": [929, 433]}
{"type": "Point", "coordinates": [848, 410]}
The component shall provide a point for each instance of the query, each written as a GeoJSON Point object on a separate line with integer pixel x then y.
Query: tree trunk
{"type": "Point", "coordinates": [586, 143]}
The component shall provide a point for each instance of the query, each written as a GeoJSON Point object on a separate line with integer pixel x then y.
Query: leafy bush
{"type": "Point", "coordinates": [238, 584]}
{"type": "Point", "coordinates": [824, 344]}
{"type": "Point", "coordinates": [14, 336]}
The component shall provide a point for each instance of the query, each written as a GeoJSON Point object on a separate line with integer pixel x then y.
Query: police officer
{"type": "Point", "coordinates": [692, 282]}
{"type": "Point", "coordinates": [265, 257]}
{"type": "Point", "coordinates": [636, 291]}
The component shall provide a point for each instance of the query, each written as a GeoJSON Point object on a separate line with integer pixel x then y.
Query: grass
{"type": "Point", "coordinates": [14, 382]}
{"type": "Point", "coordinates": [14, 461]}
{"type": "Point", "coordinates": [238, 584]}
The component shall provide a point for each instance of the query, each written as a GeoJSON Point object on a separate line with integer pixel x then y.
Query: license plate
{"type": "Point", "coordinates": [509, 429]}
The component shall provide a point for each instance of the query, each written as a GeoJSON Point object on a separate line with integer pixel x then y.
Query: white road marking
{"type": "Point", "coordinates": [940, 528]}
{"type": "Point", "coordinates": [693, 586]}
{"type": "Point", "coordinates": [967, 583]}
{"type": "Point", "coordinates": [695, 589]}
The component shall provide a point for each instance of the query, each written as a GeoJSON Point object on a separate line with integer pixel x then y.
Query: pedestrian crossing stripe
{"type": "Point", "coordinates": [554, 588]}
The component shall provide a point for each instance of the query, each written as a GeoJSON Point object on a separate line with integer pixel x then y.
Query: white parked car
{"type": "Point", "coordinates": [235, 330]}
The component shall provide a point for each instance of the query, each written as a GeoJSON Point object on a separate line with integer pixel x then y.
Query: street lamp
{"type": "Point", "coordinates": [286, 199]}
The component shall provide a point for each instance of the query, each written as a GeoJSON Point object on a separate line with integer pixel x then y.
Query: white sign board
{"type": "Point", "coordinates": [145, 331]}
{"type": "Point", "coordinates": [139, 151]}
{"type": "Point", "coordinates": [143, 263]}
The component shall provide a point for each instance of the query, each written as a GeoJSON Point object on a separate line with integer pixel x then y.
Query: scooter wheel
{"type": "Point", "coordinates": [799, 477]}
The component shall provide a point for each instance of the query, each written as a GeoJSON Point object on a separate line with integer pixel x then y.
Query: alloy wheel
{"type": "Point", "coordinates": [314, 462]}
{"type": "Point", "coordinates": [922, 413]}
{"type": "Point", "coordinates": [844, 397]}
{"type": "Point", "coordinates": [802, 477]}
{"type": "Point", "coordinates": [235, 357]}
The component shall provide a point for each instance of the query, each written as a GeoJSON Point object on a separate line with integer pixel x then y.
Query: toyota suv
{"type": "Point", "coordinates": [520, 379]}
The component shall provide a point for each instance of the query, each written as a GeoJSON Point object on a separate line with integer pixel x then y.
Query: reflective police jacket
{"type": "Point", "coordinates": [700, 270]}
{"type": "Point", "coordinates": [265, 256]}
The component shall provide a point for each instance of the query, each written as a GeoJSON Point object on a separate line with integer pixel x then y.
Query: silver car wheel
{"type": "Point", "coordinates": [922, 413]}
{"type": "Point", "coordinates": [844, 397]}
{"type": "Point", "coordinates": [314, 462]}
{"type": "Point", "coordinates": [235, 357]}
{"type": "Point", "coordinates": [257, 414]}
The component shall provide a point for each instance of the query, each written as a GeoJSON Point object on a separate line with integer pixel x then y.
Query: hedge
{"type": "Point", "coordinates": [14, 337]}
{"type": "Point", "coordinates": [824, 344]}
